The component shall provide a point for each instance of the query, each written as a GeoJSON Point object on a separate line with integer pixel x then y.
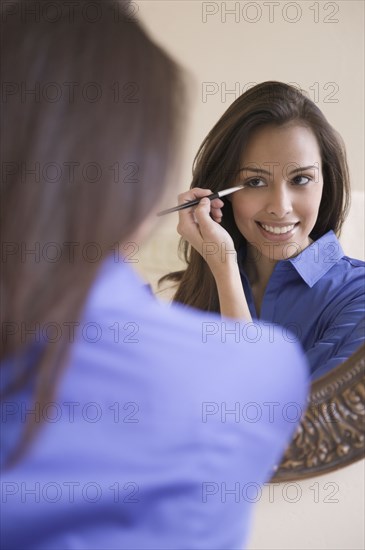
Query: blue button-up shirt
{"type": "Point", "coordinates": [161, 433]}
{"type": "Point", "coordinates": [319, 295]}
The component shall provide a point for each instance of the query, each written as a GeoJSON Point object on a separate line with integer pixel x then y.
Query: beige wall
{"type": "Point", "coordinates": [326, 59]}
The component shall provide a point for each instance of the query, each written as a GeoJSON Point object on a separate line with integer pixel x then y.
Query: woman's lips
{"type": "Point", "coordinates": [277, 236]}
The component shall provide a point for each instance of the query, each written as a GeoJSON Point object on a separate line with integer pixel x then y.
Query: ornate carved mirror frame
{"type": "Point", "coordinates": [331, 434]}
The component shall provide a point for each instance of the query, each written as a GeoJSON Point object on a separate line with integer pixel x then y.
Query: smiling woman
{"type": "Point", "coordinates": [273, 251]}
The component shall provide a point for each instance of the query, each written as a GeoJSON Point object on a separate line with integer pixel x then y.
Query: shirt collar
{"type": "Point", "coordinates": [314, 261]}
{"type": "Point", "coordinates": [318, 258]}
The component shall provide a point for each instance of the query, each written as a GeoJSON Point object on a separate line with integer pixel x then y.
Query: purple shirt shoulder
{"type": "Point", "coordinates": [319, 295]}
{"type": "Point", "coordinates": [166, 424]}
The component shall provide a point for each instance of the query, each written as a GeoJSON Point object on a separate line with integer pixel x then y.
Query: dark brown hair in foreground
{"type": "Point", "coordinates": [99, 131]}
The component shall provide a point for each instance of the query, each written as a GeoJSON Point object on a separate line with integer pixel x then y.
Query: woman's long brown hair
{"type": "Point", "coordinates": [91, 112]}
{"type": "Point", "coordinates": [217, 163]}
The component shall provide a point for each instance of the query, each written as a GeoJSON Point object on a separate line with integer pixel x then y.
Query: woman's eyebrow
{"type": "Point", "coordinates": [301, 168]}
{"type": "Point", "coordinates": [262, 171]}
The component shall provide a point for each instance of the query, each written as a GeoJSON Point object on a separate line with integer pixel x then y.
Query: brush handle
{"type": "Point", "coordinates": [188, 204]}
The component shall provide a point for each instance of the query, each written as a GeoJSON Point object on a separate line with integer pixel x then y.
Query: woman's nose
{"type": "Point", "coordinates": [279, 201]}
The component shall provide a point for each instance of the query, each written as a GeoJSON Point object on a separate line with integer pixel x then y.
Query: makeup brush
{"type": "Point", "coordinates": [188, 204]}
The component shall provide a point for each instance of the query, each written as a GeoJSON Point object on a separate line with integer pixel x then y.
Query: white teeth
{"type": "Point", "coordinates": [278, 230]}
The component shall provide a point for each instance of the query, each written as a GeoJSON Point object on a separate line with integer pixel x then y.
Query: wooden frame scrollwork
{"type": "Point", "coordinates": [331, 434]}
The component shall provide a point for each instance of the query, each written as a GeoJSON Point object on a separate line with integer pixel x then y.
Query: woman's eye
{"type": "Point", "coordinates": [250, 182]}
{"type": "Point", "coordinates": [298, 178]}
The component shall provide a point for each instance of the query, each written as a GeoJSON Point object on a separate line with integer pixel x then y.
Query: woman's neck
{"type": "Point", "coordinates": [258, 270]}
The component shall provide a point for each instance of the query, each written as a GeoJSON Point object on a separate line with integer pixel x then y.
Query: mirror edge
{"type": "Point", "coordinates": [331, 434]}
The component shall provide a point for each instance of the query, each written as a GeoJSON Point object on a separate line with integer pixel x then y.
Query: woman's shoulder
{"type": "Point", "coordinates": [135, 322]}
{"type": "Point", "coordinates": [351, 273]}
{"type": "Point", "coordinates": [171, 340]}
{"type": "Point", "coordinates": [354, 263]}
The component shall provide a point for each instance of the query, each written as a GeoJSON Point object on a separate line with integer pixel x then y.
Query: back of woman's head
{"type": "Point", "coordinates": [90, 114]}
{"type": "Point", "coordinates": [91, 110]}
